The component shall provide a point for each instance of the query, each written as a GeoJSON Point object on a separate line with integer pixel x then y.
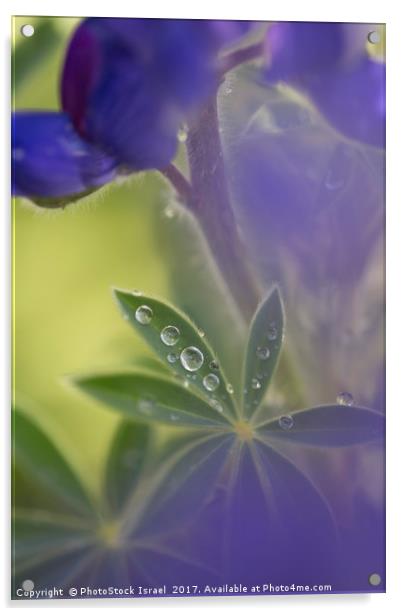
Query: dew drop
{"type": "Point", "coordinates": [136, 292]}
{"type": "Point", "coordinates": [272, 332]}
{"type": "Point", "coordinates": [191, 358]}
{"type": "Point", "coordinates": [145, 405]}
{"type": "Point", "coordinates": [172, 358]}
{"type": "Point", "coordinates": [255, 384]}
{"type": "Point", "coordinates": [345, 399]}
{"type": "Point", "coordinates": [229, 388]}
{"type": "Point", "coordinates": [170, 335]}
{"type": "Point", "coordinates": [144, 315]}
{"type": "Point", "coordinates": [201, 333]}
{"type": "Point", "coordinates": [170, 212]}
{"type": "Point", "coordinates": [214, 365]}
{"type": "Point", "coordinates": [332, 182]}
{"type": "Point", "coordinates": [286, 422]}
{"type": "Point", "coordinates": [216, 405]}
{"type": "Point", "coordinates": [211, 382]}
{"type": "Point", "coordinates": [262, 353]}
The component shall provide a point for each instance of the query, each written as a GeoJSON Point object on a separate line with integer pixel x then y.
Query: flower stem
{"type": "Point", "coordinates": [180, 183]}
{"type": "Point", "coordinates": [211, 204]}
{"type": "Point", "coordinates": [240, 56]}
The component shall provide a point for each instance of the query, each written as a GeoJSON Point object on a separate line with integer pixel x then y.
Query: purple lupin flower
{"type": "Point", "coordinates": [324, 61]}
{"type": "Point", "coordinates": [127, 85]}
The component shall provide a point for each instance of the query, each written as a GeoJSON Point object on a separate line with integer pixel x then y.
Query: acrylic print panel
{"type": "Point", "coordinates": [199, 307]}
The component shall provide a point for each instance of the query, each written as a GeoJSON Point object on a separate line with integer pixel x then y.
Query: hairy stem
{"type": "Point", "coordinates": [211, 203]}
{"type": "Point", "coordinates": [180, 183]}
{"type": "Point", "coordinates": [240, 56]}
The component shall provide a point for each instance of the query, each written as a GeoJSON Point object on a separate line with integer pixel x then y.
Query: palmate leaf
{"type": "Point", "coordinates": [151, 510]}
{"type": "Point", "coordinates": [53, 517]}
{"type": "Point", "coordinates": [327, 426]}
{"type": "Point", "coordinates": [188, 477]}
{"type": "Point", "coordinates": [263, 348]}
{"type": "Point", "coordinates": [159, 315]}
{"type": "Point", "coordinates": [42, 537]}
{"type": "Point", "coordinates": [276, 517]}
{"type": "Point", "coordinates": [110, 544]}
{"type": "Point", "coordinates": [44, 469]}
{"type": "Point", "coordinates": [125, 464]}
{"type": "Point", "coordinates": [147, 397]}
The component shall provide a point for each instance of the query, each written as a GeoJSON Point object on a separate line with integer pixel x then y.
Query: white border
{"type": "Point", "coordinates": [338, 10]}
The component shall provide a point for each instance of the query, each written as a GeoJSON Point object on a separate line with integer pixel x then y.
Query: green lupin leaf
{"type": "Point", "coordinates": [125, 463]}
{"type": "Point", "coordinates": [263, 347]}
{"type": "Point", "coordinates": [44, 469]}
{"type": "Point", "coordinates": [178, 343]}
{"type": "Point", "coordinates": [327, 426]}
{"type": "Point", "coordinates": [146, 397]}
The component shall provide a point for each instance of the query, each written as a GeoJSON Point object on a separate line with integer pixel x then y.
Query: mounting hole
{"type": "Point", "coordinates": [374, 37]}
{"type": "Point", "coordinates": [28, 585]}
{"type": "Point", "coordinates": [27, 30]}
{"type": "Point", "coordinates": [374, 579]}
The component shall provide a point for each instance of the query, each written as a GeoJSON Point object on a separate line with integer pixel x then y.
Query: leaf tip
{"type": "Point", "coordinates": [73, 381]}
{"type": "Point", "coordinates": [118, 294]}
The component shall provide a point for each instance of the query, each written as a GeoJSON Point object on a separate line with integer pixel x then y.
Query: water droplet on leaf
{"type": "Point", "coordinates": [333, 182]}
{"type": "Point", "coordinates": [345, 399]}
{"type": "Point", "coordinates": [170, 335]}
{"type": "Point", "coordinates": [170, 212]}
{"type": "Point", "coordinates": [255, 384]}
{"type": "Point", "coordinates": [272, 332]}
{"type": "Point", "coordinates": [191, 358]}
{"type": "Point", "coordinates": [144, 315]}
{"type": "Point", "coordinates": [216, 405]}
{"type": "Point", "coordinates": [172, 357]}
{"type": "Point", "coordinates": [229, 388]}
{"type": "Point", "coordinates": [146, 405]}
{"type": "Point", "coordinates": [211, 382]}
{"type": "Point", "coordinates": [214, 365]}
{"type": "Point", "coordinates": [262, 353]}
{"type": "Point", "coordinates": [286, 422]}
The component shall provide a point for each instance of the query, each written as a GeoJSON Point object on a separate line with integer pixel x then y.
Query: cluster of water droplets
{"type": "Point", "coordinates": [263, 352]}
{"type": "Point", "coordinates": [191, 359]}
